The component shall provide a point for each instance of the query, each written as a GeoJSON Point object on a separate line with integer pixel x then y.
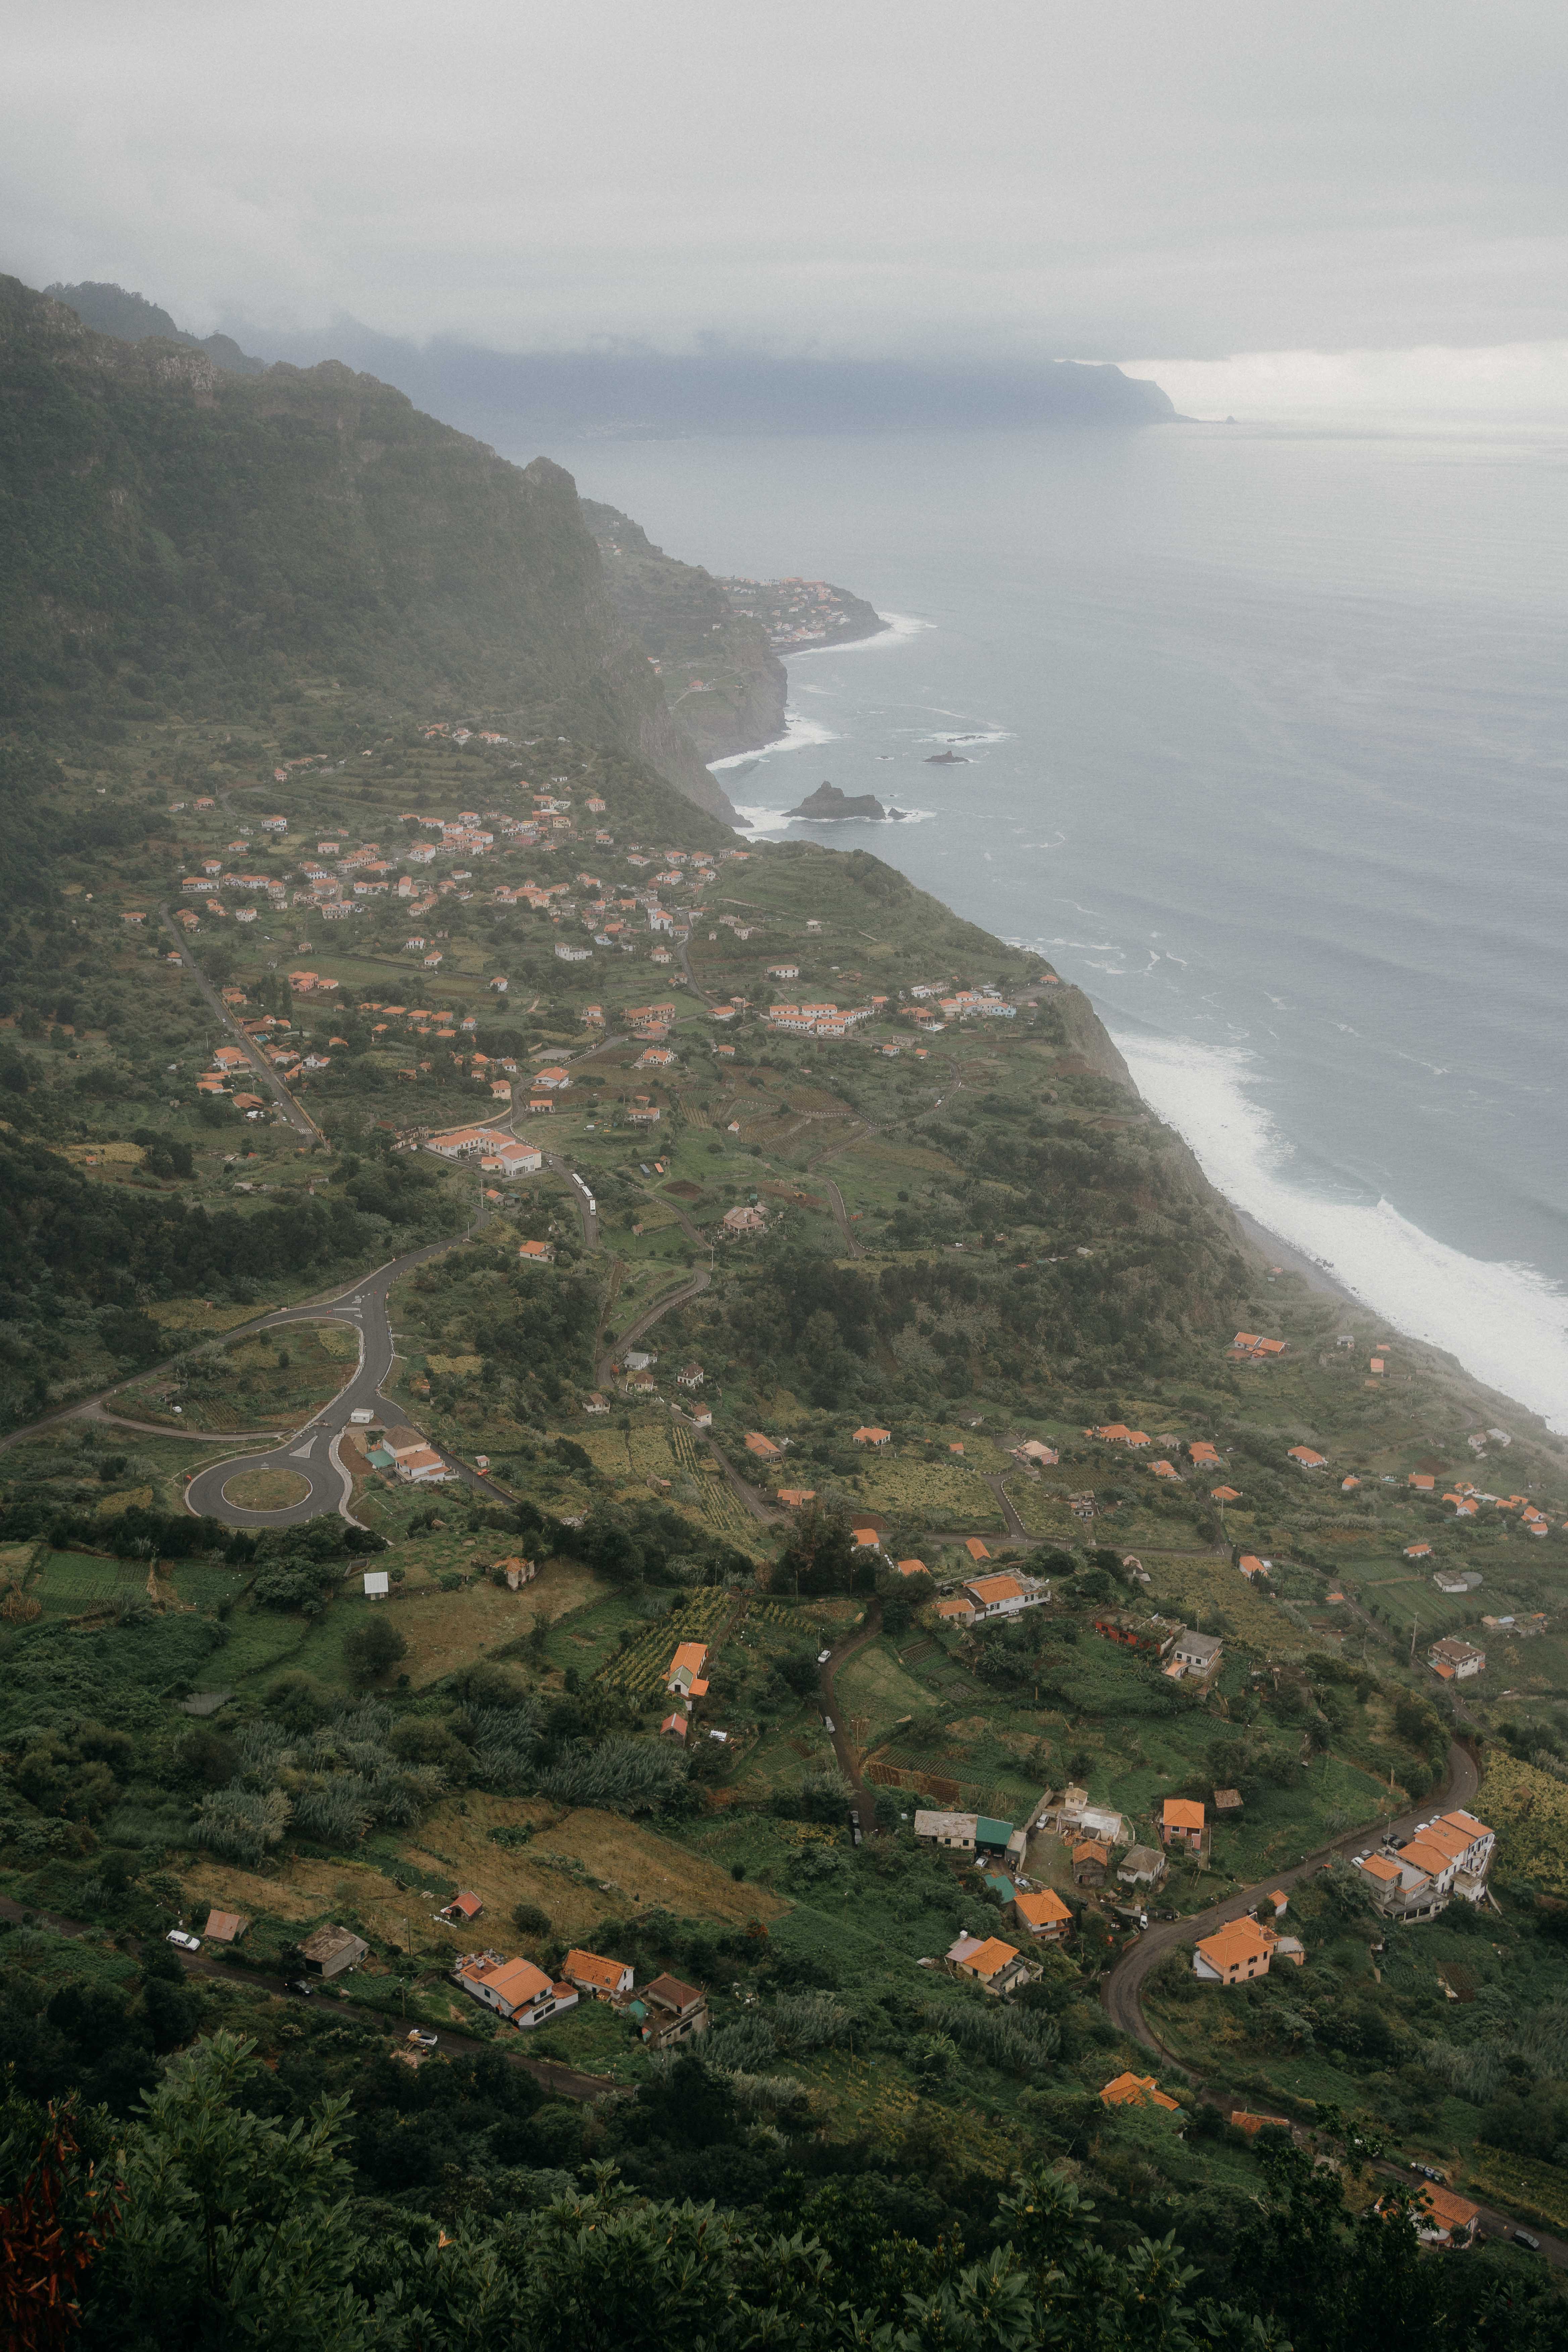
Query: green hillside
{"type": "Point", "coordinates": [330, 823]}
{"type": "Point", "coordinates": [181, 539]}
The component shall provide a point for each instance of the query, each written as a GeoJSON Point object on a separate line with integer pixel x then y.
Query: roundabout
{"type": "Point", "coordinates": [264, 1489]}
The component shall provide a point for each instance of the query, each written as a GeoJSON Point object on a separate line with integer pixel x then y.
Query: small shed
{"type": "Point", "coordinates": [1090, 1862]}
{"type": "Point", "coordinates": [225, 1927]}
{"type": "Point", "coordinates": [330, 1950]}
{"type": "Point", "coordinates": [377, 1583]}
{"type": "Point", "coordinates": [1141, 1865]}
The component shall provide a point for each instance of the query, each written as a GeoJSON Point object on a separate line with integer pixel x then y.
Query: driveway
{"type": "Point", "coordinates": [1121, 1990]}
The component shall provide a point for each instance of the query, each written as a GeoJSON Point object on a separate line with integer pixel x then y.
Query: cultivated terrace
{"type": "Point", "coordinates": [896, 1547]}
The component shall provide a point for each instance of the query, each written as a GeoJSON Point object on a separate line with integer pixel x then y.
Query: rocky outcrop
{"type": "Point", "coordinates": [829, 804]}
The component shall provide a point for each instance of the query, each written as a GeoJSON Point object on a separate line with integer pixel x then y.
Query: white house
{"type": "Point", "coordinates": [1005, 1596]}
{"type": "Point", "coordinates": [1447, 1856]}
{"type": "Point", "coordinates": [1196, 1653]}
{"type": "Point", "coordinates": [469, 1142]}
{"type": "Point", "coordinates": [514, 1990]}
{"type": "Point", "coordinates": [1456, 1661]}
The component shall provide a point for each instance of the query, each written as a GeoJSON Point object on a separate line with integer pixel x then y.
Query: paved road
{"type": "Point", "coordinates": [694, 1285]}
{"type": "Point", "coordinates": [311, 1452]}
{"type": "Point", "coordinates": [997, 1482]}
{"type": "Point", "coordinates": [1121, 1990]}
{"type": "Point", "coordinates": [298, 1119]}
{"type": "Point", "coordinates": [562, 2081]}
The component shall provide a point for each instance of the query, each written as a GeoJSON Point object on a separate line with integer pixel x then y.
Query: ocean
{"type": "Point", "coordinates": [1262, 735]}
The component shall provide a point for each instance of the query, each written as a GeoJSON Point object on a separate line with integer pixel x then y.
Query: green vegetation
{"type": "Point", "coordinates": [981, 1247]}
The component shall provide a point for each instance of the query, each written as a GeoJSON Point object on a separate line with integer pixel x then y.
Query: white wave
{"type": "Point", "coordinates": [756, 819]}
{"type": "Point", "coordinates": [976, 740]}
{"type": "Point", "coordinates": [801, 734]}
{"type": "Point", "coordinates": [899, 628]}
{"type": "Point", "coordinates": [1507, 1323]}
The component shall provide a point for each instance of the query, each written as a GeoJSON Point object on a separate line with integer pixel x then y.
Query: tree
{"type": "Point", "coordinates": [235, 2228]}
{"type": "Point", "coordinates": [371, 1648]}
{"type": "Point", "coordinates": [819, 1555]}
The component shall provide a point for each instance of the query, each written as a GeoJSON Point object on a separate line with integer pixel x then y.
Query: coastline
{"type": "Point", "coordinates": [1291, 1260]}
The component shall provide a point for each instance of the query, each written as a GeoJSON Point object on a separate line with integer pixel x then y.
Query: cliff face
{"type": "Point", "coordinates": [183, 536]}
{"type": "Point", "coordinates": [722, 682]}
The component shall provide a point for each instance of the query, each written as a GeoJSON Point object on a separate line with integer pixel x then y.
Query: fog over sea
{"type": "Point", "coordinates": [1264, 733]}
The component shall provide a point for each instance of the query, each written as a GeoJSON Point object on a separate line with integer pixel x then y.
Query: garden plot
{"type": "Point", "coordinates": [76, 1584]}
{"type": "Point", "coordinates": [638, 1671]}
{"type": "Point", "coordinates": [931, 1493]}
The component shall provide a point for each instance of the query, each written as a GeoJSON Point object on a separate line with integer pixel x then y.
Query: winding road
{"type": "Point", "coordinates": [311, 1452]}
{"type": "Point", "coordinates": [299, 1119]}
{"type": "Point", "coordinates": [1121, 1990]}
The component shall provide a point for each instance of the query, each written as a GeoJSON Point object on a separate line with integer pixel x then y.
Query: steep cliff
{"type": "Point", "coordinates": [721, 680]}
{"type": "Point", "coordinates": [181, 536]}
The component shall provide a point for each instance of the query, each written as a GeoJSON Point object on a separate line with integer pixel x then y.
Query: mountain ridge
{"type": "Point", "coordinates": [187, 533]}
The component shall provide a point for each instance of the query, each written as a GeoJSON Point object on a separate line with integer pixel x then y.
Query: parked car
{"type": "Point", "coordinates": [423, 2037]}
{"type": "Point", "coordinates": [303, 1987]}
{"type": "Point", "coordinates": [182, 1941]}
{"type": "Point", "coordinates": [822, 1656]}
{"type": "Point", "coordinates": [1430, 2172]}
{"type": "Point", "coordinates": [827, 1724]}
{"type": "Point", "coordinates": [1523, 2238]}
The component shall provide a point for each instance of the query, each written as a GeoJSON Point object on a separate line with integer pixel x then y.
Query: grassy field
{"type": "Point", "coordinates": [579, 1865]}
{"type": "Point", "coordinates": [265, 1490]}
{"type": "Point", "coordinates": [929, 1494]}
{"type": "Point", "coordinates": [74, 1584]}
{"type": "Point", "coordinates": [270, 1380]}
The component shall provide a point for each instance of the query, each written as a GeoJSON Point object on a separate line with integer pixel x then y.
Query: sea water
{"type": "Point", "coordinates": [1262, 735]}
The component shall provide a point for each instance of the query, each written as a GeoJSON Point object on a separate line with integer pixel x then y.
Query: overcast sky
{"type": "Point", "coordinates": [1148, 179]}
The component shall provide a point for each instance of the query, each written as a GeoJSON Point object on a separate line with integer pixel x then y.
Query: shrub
{"type": "Point", "coordinates": [371, 1648]}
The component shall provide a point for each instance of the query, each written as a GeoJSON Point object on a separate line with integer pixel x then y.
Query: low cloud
{"type": "Point", "coordinates": [1521, 381]}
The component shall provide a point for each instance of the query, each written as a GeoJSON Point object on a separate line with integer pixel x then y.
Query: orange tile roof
{"type": "Point", "coordinates": [1232, 1945]}
{"type": "Point", "coordinates": [1090, 1850]}
{"type": "Point", "coordinates": [1183, 1813]}
{"type": "Point", "coordinates": [588, 1967]}
{"type": "Point", "coordinates": [993, 1955]}
{"type": "Point", "coordinates": [1136, 2091]}
{"type": "Point", "coordinates": [1425, 1853]}
{"type": "Point", "coordinates": [989, 1589]}
{"type": "Point", "coordinates": [975, 1548]}
{"type": "Point", "coordinates": [1467, 1823]}
{"type": "Point", "coordinates": [1449, 2212]}
{"type": "Point", "coordinates": [1043, 1910]}
{"type": "Point", "coordinates": [691, 1654]}
{"type": "Point", "coordinates": [514, 1981]}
